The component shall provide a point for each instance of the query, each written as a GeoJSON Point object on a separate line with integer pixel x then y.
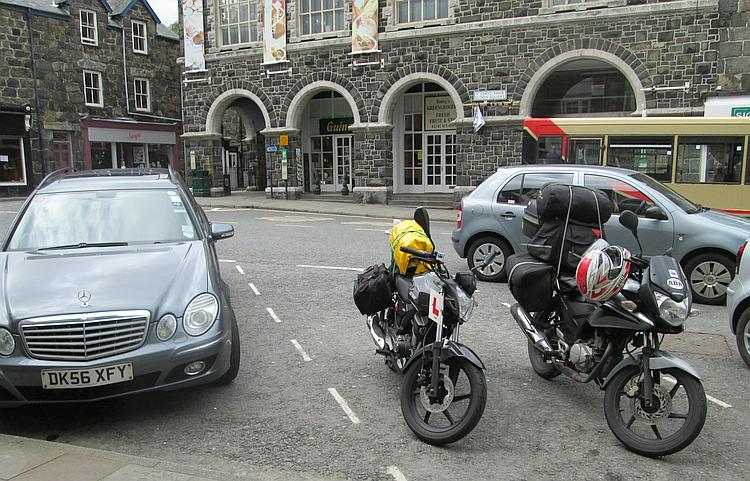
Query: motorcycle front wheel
{"type": "Point", "coordinates": [671, 423]}
{"type": "Point", "coordinates": [457, 408]}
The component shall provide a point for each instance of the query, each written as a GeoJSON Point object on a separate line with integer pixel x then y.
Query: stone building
{"type": "Point", "coordinates": [85, 84]}
{"type": "Point", "coordinates": [398, 120]}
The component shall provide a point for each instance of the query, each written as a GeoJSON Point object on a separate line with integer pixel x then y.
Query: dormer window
{"type": "Point", "coordinates": [89, 32]}
{"type": "Point", "coordinates": [140, 37]}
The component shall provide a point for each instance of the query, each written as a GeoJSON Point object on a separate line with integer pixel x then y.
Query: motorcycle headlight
{"type": "Point", "coordinates": [672, 311]}
{"type": "Point", "coordinates": [166, 327]}
{"type": "Point", "coordinates": [200, 314]}
{"type": "Point", "coordinates": [7, 343]}
{"type": "Point", "coordinates": [465, 305]}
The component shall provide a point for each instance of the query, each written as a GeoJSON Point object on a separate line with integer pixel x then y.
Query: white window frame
{"type": "Point", "coordinates": [137, 94]}
{"type": "Point", "coordinates": [257, 24]}
{"type": "Point", "coordinates": [100, 89]}
{"type": "Point", "coordinates": [438, 20]}
{"type": "Point", "coordinates": [23, 161]}
{"type": "Point", "coordinates": [345, 27]}
{"type": "Point", "coordinates": [87, 40]}
{"type": "Point", "coordinates": [135, 37]}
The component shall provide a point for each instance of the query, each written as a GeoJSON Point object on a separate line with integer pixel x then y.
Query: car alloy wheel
{"type": "Point", "coordinates": [497, 264]}
{"type": "Point", "coordinates": [710, 279]}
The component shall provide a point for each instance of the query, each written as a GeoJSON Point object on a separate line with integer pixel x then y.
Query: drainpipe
{"type": "Point", "coordinates": [30, 23]}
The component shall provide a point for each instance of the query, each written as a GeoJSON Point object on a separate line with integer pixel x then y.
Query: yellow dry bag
{"type": "Point", "coordinates": [409, 234]}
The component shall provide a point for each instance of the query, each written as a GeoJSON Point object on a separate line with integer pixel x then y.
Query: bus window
{"type": "Point", "coordinates": [549, 150]}
{"type": "Point", "coordinates": [622, 195]}
{"type": "Point", "coordinates": [710, 159]}
{"type": "Point", "coordinates": [647, 155]}
{"type": "Point", "coordinates": [585, 151]}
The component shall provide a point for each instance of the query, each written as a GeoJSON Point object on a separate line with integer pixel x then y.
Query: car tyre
{"type": "Point", "coordinates": [743, 336]}
{"type": "Point", "coordinates": [234, 358]}
{"type": "Point", "coordinates": [495, 272]}
{"type": "Point", "coordinates": [709, 275]}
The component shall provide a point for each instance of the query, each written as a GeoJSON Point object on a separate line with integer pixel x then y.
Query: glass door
{"type": "Point", "coordinates": [343, 161]}
{"type": "Point", "coordinates": [440, 164]}
{"type": "Point", "coordinates": [585, 151]}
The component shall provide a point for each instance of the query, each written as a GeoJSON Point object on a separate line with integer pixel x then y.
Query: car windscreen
{"type": "Point", "coordinates": [681, 202]}
{"type": "Point", "coordinates": [103, 217]}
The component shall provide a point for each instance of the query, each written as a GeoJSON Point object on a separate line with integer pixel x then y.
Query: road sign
{"type": "Point", "coordinates": [284, 170]}
{"type": "Point", "coordinates": [740, 111]}
{"type": "Point", "coordinates": [490, 95]}
{"type": "Point", "coordinates": [283, 140]}
{"type": "Point", "coordinates": [271, 148]}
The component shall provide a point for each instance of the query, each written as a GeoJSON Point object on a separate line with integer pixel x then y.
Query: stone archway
{"type": "Point", "coordinates": [388, 104]}
{"type": "Point", "coordinates": [299, 101]}
{"type": "Point", "coordinates": [226, 100]}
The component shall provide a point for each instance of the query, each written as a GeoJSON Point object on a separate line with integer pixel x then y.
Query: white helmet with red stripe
{"type": "Point", "coordinates": [602, 271]}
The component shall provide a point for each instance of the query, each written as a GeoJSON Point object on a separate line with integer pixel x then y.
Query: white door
{"type": "Point", "coordinates": [233, 158]}
{"type": "Point", "coordinates": [343, 160]}
{"type": "Point", "coordinates": [440, 161]}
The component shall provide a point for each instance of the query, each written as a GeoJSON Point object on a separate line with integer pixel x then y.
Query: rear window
{"type": "Point", "coordinates": [523, 187]}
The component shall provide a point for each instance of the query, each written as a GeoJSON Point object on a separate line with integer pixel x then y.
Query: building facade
{"type": "Point", "coordinates": [85, 84]}
{"type": "Point", "coordinates": [400, 118]}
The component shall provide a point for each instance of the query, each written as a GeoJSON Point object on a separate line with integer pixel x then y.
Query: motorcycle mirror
{"type": "Point", "coordinates": [630, 221]}
{"type": "Point", "coordinates": [422, 218]}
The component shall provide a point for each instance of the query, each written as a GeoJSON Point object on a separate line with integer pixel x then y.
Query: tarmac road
{"type": "Point", "coordinates": [280, 414]}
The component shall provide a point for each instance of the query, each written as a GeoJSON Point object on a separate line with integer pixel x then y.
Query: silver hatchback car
{"type": "Point", "coordinates": [738, 303]}
{"type": "Point", "coordinates": [704, 241]}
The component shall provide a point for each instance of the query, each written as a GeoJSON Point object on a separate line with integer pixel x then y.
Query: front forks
{"type": "Point", "coordinates": [435, 378]}
{"type": "Point", "coordinates": [648, 379]}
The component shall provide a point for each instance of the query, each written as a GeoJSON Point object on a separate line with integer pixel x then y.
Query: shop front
{"type": "Point", "coordinates": [112, 144]}
{"type": "Point", "coordinates": [15, 167]}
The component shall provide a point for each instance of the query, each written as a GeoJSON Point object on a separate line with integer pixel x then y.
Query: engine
{"type": "Point", "coordinates": [581, 354]}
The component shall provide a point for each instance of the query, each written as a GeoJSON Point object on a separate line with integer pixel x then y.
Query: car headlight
{"type": "Point", "coordinates": [673, 312]}
{"type": "Point", "coordinates": [166, 327]}
{"type": "Point", "coordinates": [7, 343]}
{"type": "Point", "coordinates": [465, 305]}
{"type": "Point", "coordinates": [200, 314]}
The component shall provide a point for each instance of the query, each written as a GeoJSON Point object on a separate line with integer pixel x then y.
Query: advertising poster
{"type": "Point", "coordinates": [364, 26]}
{"type": "Point", "coordinates": [274, 31]}
{"type": "Point", "coordinates": [439, 112]}
{"type": "Point", "coordinates": [192, 21]}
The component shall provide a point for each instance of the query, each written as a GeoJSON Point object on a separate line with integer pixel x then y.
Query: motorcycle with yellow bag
{"type": "Point", "coordinates": [414, 318]}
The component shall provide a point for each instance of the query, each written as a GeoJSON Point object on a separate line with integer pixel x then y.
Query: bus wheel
{"type": "Point", "coordinates": [709, 275]}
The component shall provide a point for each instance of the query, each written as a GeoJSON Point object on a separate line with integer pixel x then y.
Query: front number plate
{"type": "Point", "coordinates": [76, 378]}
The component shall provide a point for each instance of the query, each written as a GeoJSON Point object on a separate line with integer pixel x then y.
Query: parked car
{"type": "Point", "coordinates": [704, 241]}
{"type": "Point", "coordinates": [111, 286]}
{"type": "Point", "coordinates": [738, 303]}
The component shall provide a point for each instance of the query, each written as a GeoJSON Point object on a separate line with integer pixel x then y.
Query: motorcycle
{"type": "Point", "coordinates": [654, 402]}
{"type": "Point", "coordinates": [443, 391]}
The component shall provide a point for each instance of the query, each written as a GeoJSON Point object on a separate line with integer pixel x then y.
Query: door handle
{"type": "Point", "coordinates": [508, 215]}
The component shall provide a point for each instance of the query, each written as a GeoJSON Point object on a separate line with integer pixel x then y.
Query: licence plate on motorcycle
{"type": "Point", "coordinates": [77, 378]}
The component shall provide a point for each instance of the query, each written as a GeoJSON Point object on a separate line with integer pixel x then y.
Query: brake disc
{"type": "Point", "coordinates": [663, 400]}
{"type": "Point", "coordinates": [447, 384]}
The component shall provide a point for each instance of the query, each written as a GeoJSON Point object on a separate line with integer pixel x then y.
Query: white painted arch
{"type": "Point", "coordinates": [299, 102]}
{"type": "Point", "coordinates": [388, 105]}
{"type": "Point", "coordinates": [224, 101]}
{"type": "Point", "coordinates": [532, 88]}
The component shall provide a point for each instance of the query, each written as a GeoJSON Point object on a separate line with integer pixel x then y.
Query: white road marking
{"type": "Point", "coordinates": [301, 351]}
{"type": "Point", "coordinates": [292, 225]}
{"type": "Point", "coordinates": [8, 212]}
{"type": "Point", "coordinates": [240, 269]}
{"type": "Point", "coordinates": [227, 260]}
{"type": "Point", "coordinates": [446, 233]}
{"type": "Point", "coordinates": [506, 304]}
{"type": "Point", "coordinates": [255, 289]}
{"type": "Point", "coordinates": [396, 473]}
{"type": "Point", "coordinates": [357, 269]}
{"type": "Point", "coordinates": [342, 402]}
{"type": "Point", "coordinates": [718, 402]}
{"type": "Point", "coordinates": [273, 315]}
{"type": "Point", "coordinates": [374, 230]}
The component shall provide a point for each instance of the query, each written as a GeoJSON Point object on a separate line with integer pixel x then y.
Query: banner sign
{"type": "Point", "coordinates": [192, 31]}
{"type": "Point", "coordinates": [274, 31]}
{"type": "Point", "coordinates": [740, 111]}
{"type": "Point", "coordinates": [439, 112]}
{"type": "Point", "coordinates": [335, 126]}
{"type": "Point", "coordinates": [364, 26]}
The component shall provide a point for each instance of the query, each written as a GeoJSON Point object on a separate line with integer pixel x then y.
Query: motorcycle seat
{"type": "Point", "coordinates": [403, 283]}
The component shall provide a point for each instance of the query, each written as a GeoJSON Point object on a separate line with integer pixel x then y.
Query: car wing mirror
{"type": "Point", "coordinates": [221, 231]}
{"type": "Point", "coordinates": [655, 212]}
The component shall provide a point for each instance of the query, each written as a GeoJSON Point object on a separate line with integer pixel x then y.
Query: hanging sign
{"type": "Point", "coordinates": [436, 306]}
{"type": "Point", "coordinates": [490, 95]}
{"type": "Point", "coordinates": [192, 20]}
{"type": "Point", "coordinates": [478, 118]}
{"type": "Point", "coordinates": [271, 148]}
{"type": "Point", "coordinates": [335, 126]}
{"type": "Point", "coordinates": [274, 31]}
{"type": "Point", "coordinates": [439, 112]}
{"type": "Point", "coordinates": [364, 26]}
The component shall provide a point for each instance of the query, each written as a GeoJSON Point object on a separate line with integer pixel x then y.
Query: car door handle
{"type": "Point", "coordinates": [508, 215]}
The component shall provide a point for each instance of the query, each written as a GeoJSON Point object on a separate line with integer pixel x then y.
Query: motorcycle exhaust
{"type": "Point", "coordinates": [377, 334]}
{"type": "Point", "coordinates": [538, 339]}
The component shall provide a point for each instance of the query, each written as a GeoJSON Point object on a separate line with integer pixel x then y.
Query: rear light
{"type": "Point", "coordinates": [460, 218]}
{"type": "Point", "coordinates": [739, 257]}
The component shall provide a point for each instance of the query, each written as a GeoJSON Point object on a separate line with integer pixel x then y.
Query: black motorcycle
{"type": "Point", "coordinates": [443, 392]}
{"type": "Point", "coordinates": [654, 401]}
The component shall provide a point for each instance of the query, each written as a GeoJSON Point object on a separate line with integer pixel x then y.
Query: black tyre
{"type": "Point", "coordinates": [234, 358]}
{"type": "Point", "coordinates": [743, 336]}
{"type": "Point", "coordinates": [672, 424]}
{"type": "Point", "coordinates": [479, 249]}
{"type": "Point", "coordinates": [709, 275]}
{"type": "Point", "coordinates": [459, 408]}
{"type": "Point", "coordinates": [541, 366]}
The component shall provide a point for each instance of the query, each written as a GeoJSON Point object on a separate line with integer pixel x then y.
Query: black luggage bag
{"type": "Point", "coordinates": [373, 290]}
{"type": "Point", "coordinates": [585, 205]}
{"type": "Point", "coordinates": [531, 282]}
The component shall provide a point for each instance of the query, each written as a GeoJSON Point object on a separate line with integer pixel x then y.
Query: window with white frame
{"type": "Point", "coordinates": [414, 11]}
{"type": "Point", "coordinates": [238, 21]}
{"type": "Point", "coordinates": [321, 16]}
{"type": "Point", "coordinates": [140, 37]}
{"type": "Point", "coordinates": [92, 89]}
{"type": "Point", "coordinates": [89, 32]}
{"type": "Point", "coordinates": [142, 94]}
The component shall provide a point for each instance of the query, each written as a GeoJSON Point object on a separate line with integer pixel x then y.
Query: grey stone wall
{"type": "Point", "coordinates": [734, 49]}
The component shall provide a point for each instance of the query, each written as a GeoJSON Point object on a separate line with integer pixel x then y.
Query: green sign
{"type": "Point", "coordinates": [740, 111]}
{"type": "Point", "coordinates": [335, 126]}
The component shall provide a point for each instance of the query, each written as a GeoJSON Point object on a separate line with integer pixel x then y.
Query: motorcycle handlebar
{"type": "Point", "coordinates": [425, 256]}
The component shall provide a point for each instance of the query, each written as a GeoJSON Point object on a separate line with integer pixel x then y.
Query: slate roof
{"type": "Point", "coordinates": [44, 6]}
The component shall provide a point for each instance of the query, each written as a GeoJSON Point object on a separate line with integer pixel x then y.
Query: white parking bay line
{"type": "Point", "coordinates": [718, 402]}
{"type": "Point", "coordinates": [396, 473]}
{"type": "Point", "coordinates": [342, 402]}
{"type": "Point", "coordinates": [255, 289]}
{"type": "Point", "coordinates": [273, 315]}
{"type": "Point", "coordinates": [293, 225]}
{"type": "Point", "coordinates": [301, 351]}
{"type": "Point", "coordinates": [227, 260]}
{"type": "Point", "coordinates": [240, 269]}
{"type": "Point", "coordinates": [374, 230]}
{"type": "Point", "coordinates": [357, 269]}
{"type": "Point", "coordinates": [506, 304]}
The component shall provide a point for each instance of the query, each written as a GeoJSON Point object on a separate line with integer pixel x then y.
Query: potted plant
{"type": "Point", "coordinates": [345, 187]}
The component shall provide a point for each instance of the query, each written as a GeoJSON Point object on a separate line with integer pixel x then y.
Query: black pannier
{"type": "Point", "coordinates": [546, 245]}
{"type": "Point", "coordinates": [586, 206]}
{"type": "Point", "coordinates": [373, 291]}
{"type": "Point", "coordinates": [531, 282]}
{"type": "Point", "coordinates": [530, 220]}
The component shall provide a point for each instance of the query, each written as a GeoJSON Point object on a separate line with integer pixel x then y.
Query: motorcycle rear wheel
{"type": "Point", "coordinates": [541, 366]}
{"type": "Point", "coordinates": [447, 426]}
{"type": "Point", "coordinates": [629, 421]}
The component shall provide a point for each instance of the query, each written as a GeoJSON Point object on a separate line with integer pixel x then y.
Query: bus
{"type": "Point", "coordinates": [703, 158]}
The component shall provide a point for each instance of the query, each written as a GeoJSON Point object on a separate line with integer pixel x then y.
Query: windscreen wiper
{"type": "Point", "coordinates": [82, 245]}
